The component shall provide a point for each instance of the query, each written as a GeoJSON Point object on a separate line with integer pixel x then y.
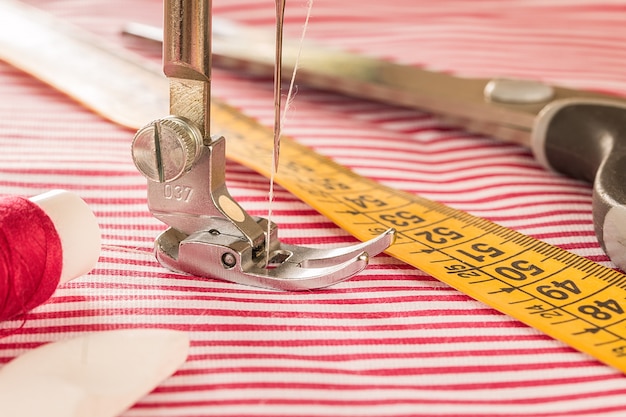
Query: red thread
{"type": "Point", "coordinates": [31, 257]}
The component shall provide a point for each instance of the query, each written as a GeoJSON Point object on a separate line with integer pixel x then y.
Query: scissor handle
{"type": "Point", "coordinates": [586, 139]}
{"type": "Point", "coordinates": [502, 108]}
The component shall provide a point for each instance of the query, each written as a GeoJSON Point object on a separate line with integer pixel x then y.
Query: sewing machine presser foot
{"type": "Point", "coordinates": [210, 235]}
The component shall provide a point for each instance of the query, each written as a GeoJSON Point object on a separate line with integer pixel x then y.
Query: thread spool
{"type": "Point", "coordinates": [45, 241]}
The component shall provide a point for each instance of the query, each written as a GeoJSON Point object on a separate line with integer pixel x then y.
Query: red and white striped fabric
{"type": "Point", "coordinates": [392, 341]}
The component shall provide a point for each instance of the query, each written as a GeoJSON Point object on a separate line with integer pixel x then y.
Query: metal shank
{"type": "Point", "coordinates": [210, 234]}
{"type": "Point", "coordinates": [187, 60]}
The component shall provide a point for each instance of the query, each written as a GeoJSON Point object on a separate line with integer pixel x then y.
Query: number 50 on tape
{"type": "Point", "coordinates": [562, 294]}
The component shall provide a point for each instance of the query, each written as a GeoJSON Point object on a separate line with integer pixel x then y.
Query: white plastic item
{"type": "Point", "coordinates": [77, 228]}
{"type": "Point", "coordinates": [96, 375]}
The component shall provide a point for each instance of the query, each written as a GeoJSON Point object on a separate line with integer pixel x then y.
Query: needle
{"type": "Point", "coordinates": [280, 18]}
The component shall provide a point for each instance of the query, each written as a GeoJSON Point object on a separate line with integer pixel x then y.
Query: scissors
{"type": "Point", "coordinates": [577, 133]}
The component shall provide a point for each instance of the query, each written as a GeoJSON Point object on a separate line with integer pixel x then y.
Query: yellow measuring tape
{"type": "Point", "coordinates": [562, 294]}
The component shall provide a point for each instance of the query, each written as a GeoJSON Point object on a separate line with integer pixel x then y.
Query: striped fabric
{"type": "Point", "coordinates": [392, 341]}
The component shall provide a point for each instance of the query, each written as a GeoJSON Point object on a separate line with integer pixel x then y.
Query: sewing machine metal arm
{"type": "Point", "coordinates": [210, 234]}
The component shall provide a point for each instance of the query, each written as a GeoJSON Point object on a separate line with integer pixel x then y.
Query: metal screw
{"type": "Point", "coordinates": [229, 260]}
{"type": "Point", "coordinates": [165, 149]}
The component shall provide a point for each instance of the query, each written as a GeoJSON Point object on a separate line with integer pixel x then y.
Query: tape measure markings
{"type": "Point", "coordinates": [566, 296]}
{"type": "Point", "coordinates": [560, 293]}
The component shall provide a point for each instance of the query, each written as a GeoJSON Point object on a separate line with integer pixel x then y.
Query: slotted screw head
{"type": "Point", "coordinates": [166, 148]}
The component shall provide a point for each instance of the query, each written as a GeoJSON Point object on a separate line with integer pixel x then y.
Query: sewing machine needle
{"type": "Point", "coordinates": [280, 18]}
{"type": "Point", "coordinates": [278, 64]}
{"type": "Point", "coordinates": [209, 233]}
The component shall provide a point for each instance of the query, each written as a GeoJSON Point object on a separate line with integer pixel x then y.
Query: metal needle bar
{"type": "Point", "coordinates": [187, 60]}
{"type": "Point", "coordinates": [278, 64]}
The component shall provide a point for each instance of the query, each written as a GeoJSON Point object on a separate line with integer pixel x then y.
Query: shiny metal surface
{"type": "Point", "coordinates": [163, 150]}
{"type": "Point", "coordinates": [520, 111]}
{"type": "Point", "coordinates": [467, 102]}
{"type": "Point", "coordinates": [585, 139]}
{"type": "Point", "coordinates": [210, 234]}
{"type": "Point", "coordinates": [513, 91]}
{"type": "Point", "coordinates": [187, 59]}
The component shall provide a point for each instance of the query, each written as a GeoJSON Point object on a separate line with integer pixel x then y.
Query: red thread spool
{"type": "Point", "coordinates": [47, 240]}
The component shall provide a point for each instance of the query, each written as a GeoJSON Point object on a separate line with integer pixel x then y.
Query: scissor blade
{"type": "Point", "coordinates": [502, 108]}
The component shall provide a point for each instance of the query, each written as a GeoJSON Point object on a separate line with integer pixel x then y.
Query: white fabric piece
{"type": "Point", "coordinates": [95, 375]}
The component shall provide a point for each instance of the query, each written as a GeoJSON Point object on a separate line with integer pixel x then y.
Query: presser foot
{"type": "Point", "coordinates": [210, 234]}
{"type": "Point", "coordinates": [228, 256]}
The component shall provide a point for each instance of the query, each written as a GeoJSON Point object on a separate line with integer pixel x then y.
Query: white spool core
{"type": "Point", "coordinates": [77, 228]}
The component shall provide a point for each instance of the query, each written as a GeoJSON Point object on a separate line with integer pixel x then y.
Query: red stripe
{"type": "Point", "coordinates": [333, 347]}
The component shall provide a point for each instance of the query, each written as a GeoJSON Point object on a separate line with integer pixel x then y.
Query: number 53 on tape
{"type": "Point", "coordinates": [564, 295]}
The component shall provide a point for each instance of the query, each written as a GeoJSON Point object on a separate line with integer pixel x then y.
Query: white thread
{"type": "Point", "coordinates": [113, 248]}
{"type": "Point", "coordinates": [277, 135]}
{"type": "Point", "coordinates": [289, 99]}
